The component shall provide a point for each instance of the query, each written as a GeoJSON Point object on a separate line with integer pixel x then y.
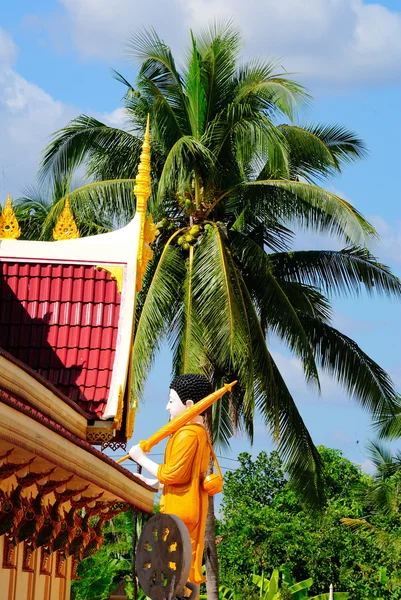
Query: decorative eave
{"type": "Point", "coordinates": [26, 428]}
{"type": "Point", "coordinates": [16, 378]}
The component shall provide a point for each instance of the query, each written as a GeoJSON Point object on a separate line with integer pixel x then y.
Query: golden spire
{"type": "Point", "coordinates": [66, 228]}
{"type": "Point", "coordinates": [9, 228]}
{"type": "Point", "coordinates": [142, 186]}
{"type": "Point", "coordinates": [147, 229]}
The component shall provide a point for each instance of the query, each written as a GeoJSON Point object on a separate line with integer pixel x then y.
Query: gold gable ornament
{"type": "Point", "coordinates": [147, 252]}
{"type": "Point", "coordinates": [9, 228]}
{"type": "Point", "coordinates": [66, 228]}
{"type": "Point", "coordinates": [130, 422]}
{"type": "Point", "coordinates": [116, 273]}
{"type": "Point", "coordinates": [118, 419]}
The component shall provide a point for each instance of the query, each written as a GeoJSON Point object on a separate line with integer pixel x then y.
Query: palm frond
{"type": "Point", "coordinates": [379, 454]}
{"type": "Point", "coordinates": [308, 300]}
{"type": "Point", "coordinates": [382, 538]}
{"type": "Point", "coordinates": [281, 316]}
{"type": "Point", "coordinates": [344, 144]}
{"type": "Point", "coordinates": [341, 272]}
{"type": "Point", "coordinates": [261, 82]}
{"type": "Point", "coordinates": [362, 378]}
{"type": "Point", "coordinates": [98, 207]}
{"type": "Point", "coordinates": [166, 128]}
{"type": "Point", "coordinates": [189, 352]}
{"type": "Point", "coordinates": [221, 310]}
{"type": "Point", "coordinates": [157, 64]}
{"type": "Point", "coordinates": [196, 92]}
{"type": "Point", "coordinates": [187, 154]}
{"type": "Point", "coordinates": [341, 218]}
{"type": "Point", "coordinates": [388, 426]}
{"type": "Point", "coordinates": [308, 155]}
{"type": "Point", "coordinates": [157, 311]}
{"type": "Point", "coordinates": [119, 77]}
{"type": "Point", "coordinates": [223, 429]}
{"type": "Point", "coordinates": [73, 144]}
{"type": "Point", "coordinates": [219, 44]}
{"type": "Point", "coordinates": [241, 133]}
{"type": "Point", "coordinates": [282, 417]}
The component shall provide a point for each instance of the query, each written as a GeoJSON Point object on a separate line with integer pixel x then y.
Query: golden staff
{"type": "Point", "coordinates": [183, 419]}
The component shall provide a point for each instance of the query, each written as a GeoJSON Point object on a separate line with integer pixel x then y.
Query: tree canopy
{"type": "Point", "coordinates": [259, 531]}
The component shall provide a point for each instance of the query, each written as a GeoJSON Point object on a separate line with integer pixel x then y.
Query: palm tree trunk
{"type": "Point", "coordinates": [212, 565]}
{"type": "Point", "coordinates": [210, 553]}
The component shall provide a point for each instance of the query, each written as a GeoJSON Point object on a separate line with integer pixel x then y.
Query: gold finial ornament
{"type": "Point", "coordinates": [66, 228]}
{"type": "Point", "coordinates": [142, 193]}
{"type": "Point", "coordinates": [9, 228]}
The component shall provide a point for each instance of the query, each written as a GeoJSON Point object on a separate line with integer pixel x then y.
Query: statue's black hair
{"type": "Point", "coordinates": [191, 387]}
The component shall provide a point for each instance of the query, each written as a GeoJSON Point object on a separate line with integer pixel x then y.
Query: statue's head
{"type": "Point", "coordinates": [185, 391]}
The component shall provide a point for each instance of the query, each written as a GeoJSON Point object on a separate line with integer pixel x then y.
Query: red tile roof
{"type": "Point", "coordinates": [62, 321]}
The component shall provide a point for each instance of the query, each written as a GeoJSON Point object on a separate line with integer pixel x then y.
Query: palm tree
{"type": "Point", "coordinates": [382, 502]}
{"type": "Point", "coordinates": [232, 175]}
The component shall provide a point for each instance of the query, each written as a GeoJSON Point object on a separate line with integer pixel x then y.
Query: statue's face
{"type": "Point", "coordinates": [174, 405]}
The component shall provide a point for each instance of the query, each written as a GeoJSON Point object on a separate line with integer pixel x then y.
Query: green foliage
{"type": "Point", "coordinates": [100, 573]}
{"type": "Point", "coordinates": [99, 576]}
{"type": "Point", "coordinates": [277, 588]}
{"type": "Point", "coordinates": [264, 524]}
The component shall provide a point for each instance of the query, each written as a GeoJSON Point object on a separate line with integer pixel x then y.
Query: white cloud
{"type": "Point", "coordinates": [335, 42]}
{"type": "Point", "coordinates": [115, 118]}
{"type": "Point", "coordinates": [368, 467]}
{"type": "Point", "coordinates": [101, 28]}
{"type": "Point", "coordinates": [28, 115]}
{"type": "Point", "coordinates": [8, 50]}
{"type": "Point", "coordinates": [389, 246]}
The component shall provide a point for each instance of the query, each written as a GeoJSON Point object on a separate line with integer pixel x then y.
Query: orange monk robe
{"type": "Point", "coordinates": [186, 461]}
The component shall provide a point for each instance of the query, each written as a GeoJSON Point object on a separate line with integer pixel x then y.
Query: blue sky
{"type": "Point", "coordinates": [55, 63]}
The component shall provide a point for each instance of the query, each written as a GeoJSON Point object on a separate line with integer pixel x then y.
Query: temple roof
{"type": "Point", "coordinates": [67, 307]}
{"type": "Point", "coordinates": [67, 310]}
{"type": "Point", "coordinates": [62, 320]}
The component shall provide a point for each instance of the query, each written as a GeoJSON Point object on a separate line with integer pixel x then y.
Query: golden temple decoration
{"type": "Point", "coordinates": [149, 231]}
{"type": "Point", "coordinates": [116, 272]}
{"type": "Point", "coordinates": [118, 419]}
{"type": "Point", "coordinates": [142, 193]}
{"type": "Point", "coordinates": [129, 426]}
{"type": "Point", "coordinates": [147, 252]}
{"type": "Point", "coordinates": [9, 228]}
{"type": "Point", "coordinates": [66, 228]}
{"type": "Point", "coordinates": [99, 435]}
{"type": "Point", "coordinates": [142, 186]}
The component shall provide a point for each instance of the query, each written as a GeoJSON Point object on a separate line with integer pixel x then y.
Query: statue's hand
{"type": "Point", "coordinates": [147, 480]}
{"type": "Point", "coordinates": [137, 454]}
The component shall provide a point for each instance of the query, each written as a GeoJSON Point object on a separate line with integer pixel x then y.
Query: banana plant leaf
{"type": "Point", "coordinates": [299, 590]}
